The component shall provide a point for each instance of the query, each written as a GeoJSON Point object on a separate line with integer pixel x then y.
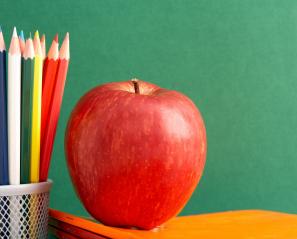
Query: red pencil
{"type": "Point", "coordinates": [54, 110]}
{"type": "Point", "coordinates": [50, 67]}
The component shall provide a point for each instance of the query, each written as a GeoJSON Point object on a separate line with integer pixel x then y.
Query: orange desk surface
{"type": "Point", "coordinates": [247, 224]}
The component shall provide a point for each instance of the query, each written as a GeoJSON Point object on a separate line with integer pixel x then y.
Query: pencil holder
{"type": "Point", "coordinates": [24, 210]}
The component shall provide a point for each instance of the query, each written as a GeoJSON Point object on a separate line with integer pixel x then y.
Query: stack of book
{"type": "Point", "coordinates": [244, 224]}
{"type": "Point", "coordinates": [64, 225]}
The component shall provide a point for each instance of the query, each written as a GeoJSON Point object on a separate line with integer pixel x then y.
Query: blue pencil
{"type": "Point", "coordinates": [3, 115]}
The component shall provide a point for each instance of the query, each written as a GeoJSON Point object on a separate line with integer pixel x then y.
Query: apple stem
{"type": "Point", "coordinates": [136, 85]}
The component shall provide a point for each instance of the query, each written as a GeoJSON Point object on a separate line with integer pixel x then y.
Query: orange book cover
{"type": "Point", "coordinates": [243, 224]}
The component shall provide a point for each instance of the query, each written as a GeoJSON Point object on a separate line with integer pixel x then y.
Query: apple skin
{"type": "Point", "coordinates": [135, 158]}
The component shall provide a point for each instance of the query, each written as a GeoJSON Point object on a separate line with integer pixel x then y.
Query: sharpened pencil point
{"type": "Point", "coordinates": [0, 29]}
{"type": "Point", "coordinates": [56, 38]}
{"type": "Point", "coordinates": [53, 52]}
{"type": "Point", "coordinates": [64, 50]}
{"type": "Point", "coordinates": [14, 47]}
{"type": "Point", "coordinates": [14, 34]}
{"type": "Point", "coordinates": [2, 44]}
{"type": "Point", "coordinates": [22, 35]}
{"type": "Point", "coordinates": [37, 45]}
{"type": "Point", "coordinates": [36, 34]}
{"type": "Point", "coordinates": [29, 49]}
{"type": "Point", "coordinates": [30, 36]}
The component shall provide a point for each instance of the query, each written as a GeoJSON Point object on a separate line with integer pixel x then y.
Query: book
{"type": "Point", "coordinates": [91, 226]}
{"type": "Point", "coordinates": [73, 230]}
{"type": "Point", "coordinates": [243, 224]}
{"type": "Point", "coordinates": [61, 234]}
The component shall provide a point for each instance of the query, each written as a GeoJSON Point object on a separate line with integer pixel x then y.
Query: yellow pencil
{"type": "Point", "coordinates": [36, 111]}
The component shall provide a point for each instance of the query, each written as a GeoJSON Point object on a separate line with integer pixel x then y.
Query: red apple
{"type": "Point", "coordinates": [135, 153]}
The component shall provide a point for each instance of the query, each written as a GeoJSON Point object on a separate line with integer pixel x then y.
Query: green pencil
{"type": "Point", "coordinates": [26, 112]}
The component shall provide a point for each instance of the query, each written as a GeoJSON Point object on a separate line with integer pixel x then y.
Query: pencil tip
{"type": "Point", "coordinates": [64, 50]}
{"type": "Point", "coordinates": [66, 37]}
{"type": "Point", "coordinates": [22, 35]}
{"type": "Point", "coordinates": [36, 34]}
{"type": "Point", "coordinates": [43, 37]}
{"type": "Point", "coordinates": [15, 43]}
{"type": "Point", "coordinates": [37, 45]}
{"type": "Point", "coordinates": [2, 44]}
{"type": "Point", "coordinates": [30, 35]}
{"type": "Point", "coordinates": [56, 39]}
{"type": "Point", "coordinates": [14, 34]}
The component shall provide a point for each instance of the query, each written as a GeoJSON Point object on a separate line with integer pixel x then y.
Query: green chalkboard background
{"type": "Point", "coordinates": [237, 60]}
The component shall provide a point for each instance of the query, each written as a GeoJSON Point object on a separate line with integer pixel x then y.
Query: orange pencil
{"type": "Point", "coordinates": [54, 109]}
{"type": "Point", "coordinates": [50, 67]}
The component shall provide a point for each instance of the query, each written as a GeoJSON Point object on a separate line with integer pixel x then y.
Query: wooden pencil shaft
{"type": "Point", "coordinates": [26, 117]}
{"type": "Point", "coordinates": [14, 116]}
{"type": "Point", "coordinates": [3, 122]}
{"type": "Point", "coordinates": [49, 76]}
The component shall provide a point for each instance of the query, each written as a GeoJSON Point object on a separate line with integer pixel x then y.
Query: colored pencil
{"type": "Point", "coordinates": [22, 41]}
{"type": "Point", "coordinates": [36, 112]}
{"type": "Point", "coordinates": [14, 108]}
{"type": "Point", "coordinates": [43, 47]}
{"type": "Point", "coordinates": [14, 126]}
{"type": "Point", "coordinates": [54, 110]}
{"type": "Point", "coordinates": [26, 121]}
{"type": "Point", "coordinates": [3, 115]}
{"type": "Point", "coordinates": [50, 67]}
{"type": "Point", "coordinates": [73, 230]}
{"type": "Point", "coordinates": [3, 131]}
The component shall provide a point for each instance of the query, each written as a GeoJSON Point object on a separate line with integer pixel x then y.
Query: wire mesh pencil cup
{"type": "Point", "coordinates": [24, 210]}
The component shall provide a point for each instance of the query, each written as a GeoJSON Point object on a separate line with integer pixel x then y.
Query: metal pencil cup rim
{"type": "Point", "coordinates": [24, 210]}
